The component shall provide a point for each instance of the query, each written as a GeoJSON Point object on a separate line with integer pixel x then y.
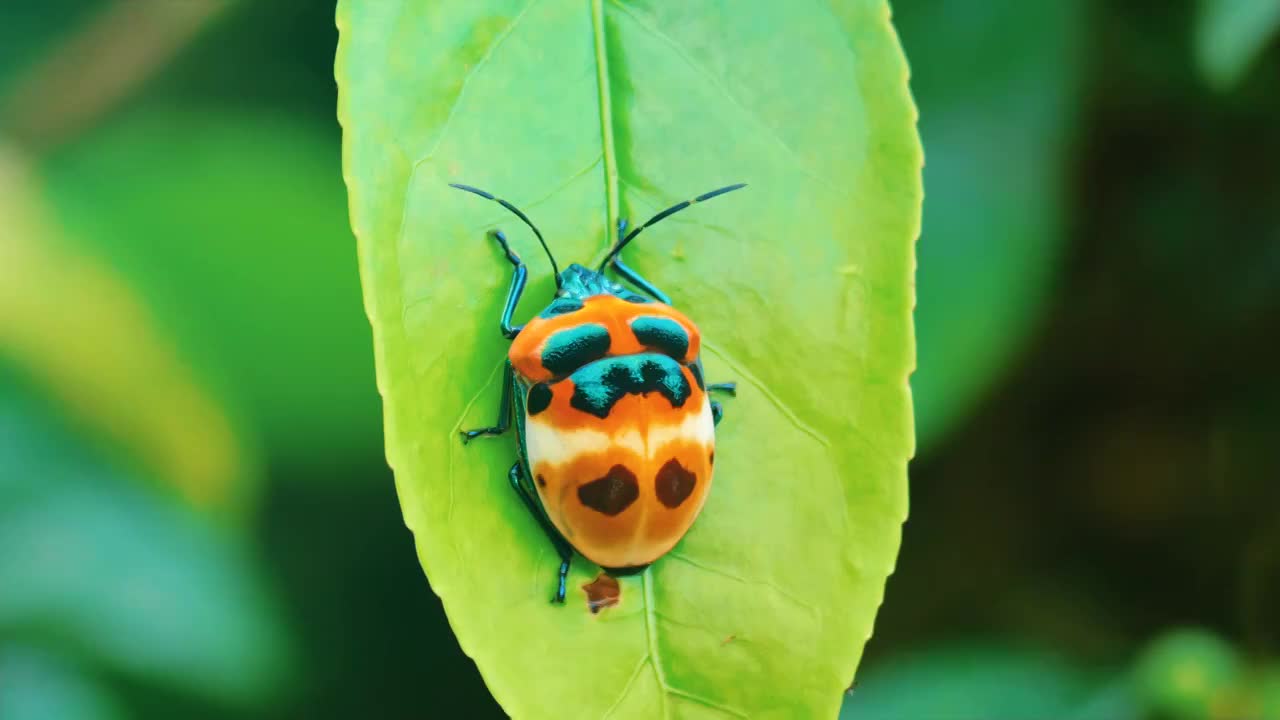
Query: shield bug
{"type": "Point", "coordinates": [615, 423]}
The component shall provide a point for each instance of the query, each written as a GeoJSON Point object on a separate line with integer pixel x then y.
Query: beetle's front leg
{"type": "Point", "coordinates": [504, 409]}
{"type": "Point", "coordinates": [634, 277]}
{"type": "Point", "coordinates": [518, 279]}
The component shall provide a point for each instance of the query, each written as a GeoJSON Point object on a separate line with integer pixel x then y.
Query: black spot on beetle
{"type": "Point", "coordinates": [711, 458]}
{"type": "Point", "coordinates": [542, 482]}
{"type": "Point", "coordinates": [612, 493]}
{"type": "Point", "coordinates": [674, 483]}
{"type": "Point", "coordinates": [695, 369]}
{"type": "Point", "coordinates": [539, 398]}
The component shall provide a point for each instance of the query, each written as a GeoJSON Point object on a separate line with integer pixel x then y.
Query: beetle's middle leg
{"type": "Point", "coordinates": [717, 408]}
{"type": "Point", "coordinates": [504, 409]}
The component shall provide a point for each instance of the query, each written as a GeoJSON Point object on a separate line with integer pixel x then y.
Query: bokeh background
{"type": "Point", "coordinates": [196, 519]}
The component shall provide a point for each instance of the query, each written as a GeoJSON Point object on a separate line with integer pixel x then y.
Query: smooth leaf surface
{"type": "Point", "coordinates": [1230, 34]}
{"type": "Point", "coordinates": [996, 176]}
{"type": "Point", "coordinates": [579, 112]}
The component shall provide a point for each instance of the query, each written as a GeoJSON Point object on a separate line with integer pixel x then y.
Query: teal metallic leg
{"type": "Point", "coordinates": [517, 478]}
{"type": "Point", "coordinates": [634, 277]}
{"type": "Point", "coordinates": [504, 409]}
{"type": "Point", "coordinates": [523, 488]}
{"type": "Point", "coordinates": [717, 409]}
{"type": "Point", "coordinates": [518, 280]}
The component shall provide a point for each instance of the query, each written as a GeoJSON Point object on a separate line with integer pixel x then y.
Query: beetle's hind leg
{"type": "Point", "coordinates": [504, 409]}
{"type": "Point", "coordinates": [517, 478]}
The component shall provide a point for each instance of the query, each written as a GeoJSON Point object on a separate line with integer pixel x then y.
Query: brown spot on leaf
{"type": "Point", "coordinates": [674, 483]}
{"type": "Point", "coordinates": [612, 493]}
{"type": "Point", "coordinates": [603, 592]}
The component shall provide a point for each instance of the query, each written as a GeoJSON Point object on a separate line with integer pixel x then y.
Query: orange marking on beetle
{"type": "Point", "coordinates": [627, 412]}
{"type": "Point", "coordinates": [645, 527]}
{"type": "Point", "coordinates": [610, 311]}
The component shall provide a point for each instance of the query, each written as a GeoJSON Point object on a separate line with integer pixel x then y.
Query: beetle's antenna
{"type": "Point", "coordinates": [662, 216]}
{"type": "Point", "coordinates": [477, 191]}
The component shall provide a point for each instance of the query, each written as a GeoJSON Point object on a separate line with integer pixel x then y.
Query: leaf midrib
{"type": "Point", "coordinates": [612, 212]}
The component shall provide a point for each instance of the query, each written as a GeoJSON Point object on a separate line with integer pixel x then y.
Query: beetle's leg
{"type": "Point", "coordinates": [504, 409]}
{"type": "Point", "coordinates": [729, 388]}
{"type": "Point", "coordinates": [717, 409]}
{"type": "Point", "coordinates": [518, 279]}
{"type": "Point", "coordinates": [516, 476]}
{"type": "Point", "coordinates": [635, 278]}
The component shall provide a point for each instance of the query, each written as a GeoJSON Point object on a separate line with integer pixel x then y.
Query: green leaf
{"type": "Point", "coordinates": [230, 224]}
{"type": "Point", "coordinates": [1230, 34]}
{"type": "Point", "coordinates": [802, 285]}
{"type": "Point", "coordinates": [36, 685]}
{"type": "Point", "coordinates": [996, 178]}
{"type": "Point", "coordinates": [133, 581]}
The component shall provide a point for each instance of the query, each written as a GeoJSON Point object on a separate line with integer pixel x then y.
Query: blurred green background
{"type": "Point", "coordinates": [196, 519]}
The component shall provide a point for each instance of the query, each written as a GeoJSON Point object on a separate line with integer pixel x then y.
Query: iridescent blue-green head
{"type": "Point", "coordinates": [579, 282]}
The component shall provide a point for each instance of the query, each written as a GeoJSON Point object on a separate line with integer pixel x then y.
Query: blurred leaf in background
{"type": "Point", "coordinates": [997, 135]}
{"type": "Point", "coordinates": [36, 685]}
{"type": "Point", "coordinates": [231, 224]}
{"type": "Point", "coordinates": [78, 329]}
{"type": "Point", "coordinates": [966, 681]}
{"type": "Point", "coordinates": [1229, 36]}
{"type": "Point", "coordinates": [100, 567]}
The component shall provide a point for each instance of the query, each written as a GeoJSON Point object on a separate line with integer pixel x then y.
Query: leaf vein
{"type": "Point", "coordinates": [745, 581]}
{"type": "Point", "coordinates": [706, 702]}
{"type": "Point", "coordinates": [755, 382]}
{"type": "Point", "coordinates": [651, 632]}
{"type": "Point", "coordinates": [466, 82]}
{"type": "Point", "coordinates": [606, 120]}
{"type": "Point", "coordinates": [752, 115]}
{"type": "Point", "coordinates": [457, 426]}
{"type": "Point", "coordinates": [626, 689]}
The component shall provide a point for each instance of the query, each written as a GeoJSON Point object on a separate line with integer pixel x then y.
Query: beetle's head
{"type": "Point", "coordinates": [582, 282]}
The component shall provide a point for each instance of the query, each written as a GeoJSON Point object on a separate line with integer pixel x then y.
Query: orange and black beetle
{"type": "Point", "coordinates": [614, 420]}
